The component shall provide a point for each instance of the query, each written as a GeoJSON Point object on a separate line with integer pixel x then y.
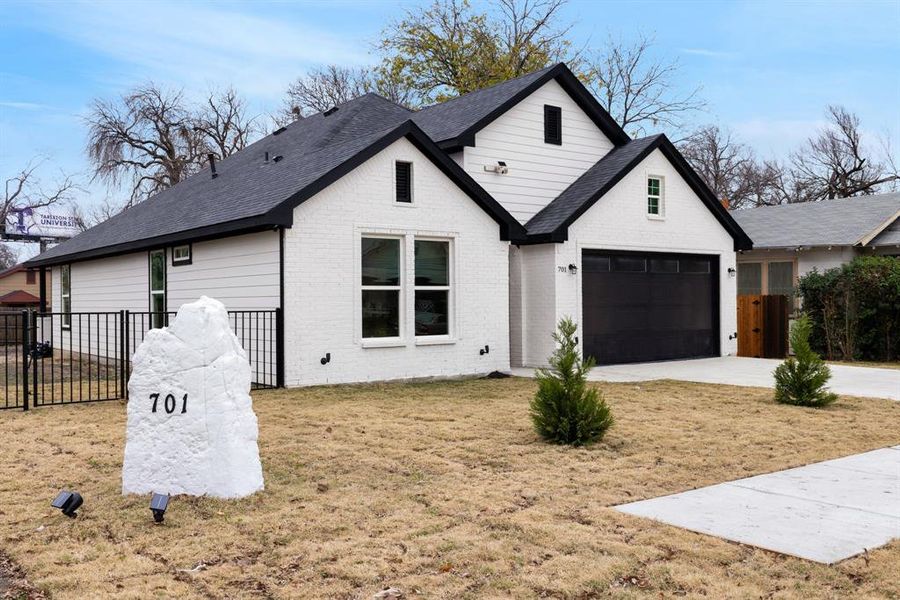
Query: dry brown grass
{"type": "Point", "coordinates": [442, 490]}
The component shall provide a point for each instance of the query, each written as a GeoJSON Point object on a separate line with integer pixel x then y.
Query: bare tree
{"type": "Point", "coordinates": [151, 138]}
{"type": "Point", "coordinates": [638, 90]}
{"type": "Point", "coordinates": [731, 170]}
{"type": "Point", "coordinates": [223, 121]}
{"type": "Point", "coordinates": [87, 217]}
{"type": "Point", "coordinates": [146, 138]}
{"type": "Point", "coordinates": [837, 164]}
{"type": "Point", "coordinates": [721, 161]}
{"type": "Point", "coordinates": [25, 191]}
{"type": "Point", "coordinates": [325, 87]}
{"type": "Point", "coordinates": [529, 35]}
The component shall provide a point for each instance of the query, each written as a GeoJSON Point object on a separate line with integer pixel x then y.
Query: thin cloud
{"type": "Point", "coordinates": [195, 45]}
{"type": "Point", "coordinates": [23, 105]}
{"type": "Point", "coordinates": [709, 53]}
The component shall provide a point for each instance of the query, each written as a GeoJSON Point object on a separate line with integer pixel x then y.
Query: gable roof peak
{"type": "Point", "coordinates": [454, 123]}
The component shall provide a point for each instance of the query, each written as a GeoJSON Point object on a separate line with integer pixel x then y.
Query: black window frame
{"type": "Point", "coordinates": [403, 194]}
{"type": "Point", "coordinates": [158, 319]}
{"type": "Point", "coordinates": [65, 296]}
{"type": "Point", "coordinates": [552, 136]}
{"type": "Point", "coordinates": [182, 262]}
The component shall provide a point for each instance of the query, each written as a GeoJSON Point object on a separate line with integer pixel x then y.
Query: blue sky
{"type": "Point", "coordinates": [767, 69]}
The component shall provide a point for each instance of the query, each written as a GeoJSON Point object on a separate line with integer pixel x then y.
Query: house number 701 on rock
{"type": "Point", "coordinates": [169, 403]}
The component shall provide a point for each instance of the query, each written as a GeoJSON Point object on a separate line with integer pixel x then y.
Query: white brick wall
{"type": "Point", "coordinates": [619, 221]}
{"type": "Point", "coordinates": [322, 295]}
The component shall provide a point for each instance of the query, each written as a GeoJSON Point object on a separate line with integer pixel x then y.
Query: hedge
{"type": "Point", "coordinates": [855, 309]}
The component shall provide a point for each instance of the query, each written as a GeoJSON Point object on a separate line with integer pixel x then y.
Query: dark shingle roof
{"type": "Point", "coordinates": [454, 123]}
{"type": "Point", "coordinates": [591, 185]}
{"type": "Point", "coordinates": [250, 193]}
{"type": "Point", "coordinates": [247, 186]}
{"type": "Point", "coordinates": [838, 222]}
{"type": "Point", "coordinates": [452, 118]}
{"type": "Point", "coordinates": [551, 223]}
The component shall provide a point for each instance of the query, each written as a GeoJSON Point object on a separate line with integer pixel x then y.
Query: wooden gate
{"type": "Point", "coordinates": [762, 326]}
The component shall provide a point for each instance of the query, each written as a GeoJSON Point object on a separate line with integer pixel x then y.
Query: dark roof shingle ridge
{"type": "Point", "coordinates": [493, 86]}
{"type": "Point", "coordinates": [629, 151]}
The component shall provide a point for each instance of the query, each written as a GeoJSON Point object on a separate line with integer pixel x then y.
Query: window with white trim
{"type": "Point", "coordinates": [181, 255]}
{"type": "Point", "coordinates": [65, 287]}
{"type": "Point", "coordinates": [654, 196]}
{"type": "Point", "coordinates": [381, 281]}
{"type": "Point", "coordinates": [157, 288]}
{"type": "Point", "coordinates": [432, 287]}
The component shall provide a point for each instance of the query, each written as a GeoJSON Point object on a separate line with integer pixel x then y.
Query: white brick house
{"type": "Point", "coordinates": [443, 242]}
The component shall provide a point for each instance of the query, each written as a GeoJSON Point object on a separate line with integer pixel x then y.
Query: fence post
{"type": "Point", "coordinates": [34, 362]}
{"type": "Point", "coordinates": [126, 356]}
{"type": "Point", "coordinates": [122, 384]}
{"type": "Point", "coordinates": [26, 336]}
{"type": "Point", "coordinates": [279, 347]}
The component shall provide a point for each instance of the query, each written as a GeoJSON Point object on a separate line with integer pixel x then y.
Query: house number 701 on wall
{"type": "Point", "coordinates": [169, 403]}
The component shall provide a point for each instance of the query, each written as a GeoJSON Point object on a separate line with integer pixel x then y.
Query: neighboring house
{"type": "Point", "coordinates": [19, 289]}
{"type": "Point", "coordinates": [442, 242]}
{"type": "Point", "coordinates": [791, 240]}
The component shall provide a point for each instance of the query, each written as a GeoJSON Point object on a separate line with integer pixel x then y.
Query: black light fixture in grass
{"type": "Point", "coordinates": [68, 502]}
{"type": "Point", "coordinates": [158, 505]}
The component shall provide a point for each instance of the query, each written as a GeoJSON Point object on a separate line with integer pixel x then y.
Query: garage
{"type": "Point", "coordinates": [645, 306]}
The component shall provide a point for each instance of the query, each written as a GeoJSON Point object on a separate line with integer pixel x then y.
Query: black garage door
{"type": "Point", "coordinates": [649, 306]}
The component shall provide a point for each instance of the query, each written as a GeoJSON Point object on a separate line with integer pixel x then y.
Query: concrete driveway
{"type": "Point", "coordinates": [825, 512]}
{"type": "Point", "coordinates": [752, 372]}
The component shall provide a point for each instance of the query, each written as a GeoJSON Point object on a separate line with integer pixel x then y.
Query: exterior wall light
{"type": "Point", "coordinates": [732, 271]}
{"type": "Point", "coordinates": [573, 268]}
{"type": "Point", "coordinates": [158, 505]}
{"type": "Point", "coordinates": [68, 503]}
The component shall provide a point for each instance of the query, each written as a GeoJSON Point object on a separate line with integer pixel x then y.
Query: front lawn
{"type": "Point", "coordinates": [441, 490]}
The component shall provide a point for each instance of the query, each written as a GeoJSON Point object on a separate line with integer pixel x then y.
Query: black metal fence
{"type": "Point", "coordinates": [62, 358]}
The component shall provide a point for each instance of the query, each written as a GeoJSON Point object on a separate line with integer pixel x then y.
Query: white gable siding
{"type": "Point", "coordinates": [241, 272]}
{"type": "Point", "coordinates": [322, 294]}
{"type": "Point", "coordinates": [619, 221]}
{"type": "Point", "coordinates": [538, 171]}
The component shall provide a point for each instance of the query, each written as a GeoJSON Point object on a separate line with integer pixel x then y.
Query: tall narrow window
{"type": "Point", "coordinates": [158, 288]}
{"type": "Point", "coordinates": [432, 291]}
{"type": "Point", "coordinates": [380, 259]}
{"type": "Point", "coordinates": [654, 196]}
{"type": "Point", "coordinates": [749, 279]}
{"type": "Point", "coordinates": [552, 125]}
{"type": "Point", "coordinates": [781, 278]}
{"type": "Point", "coordinates": [403, 181]}
{"type": "Point", "coordinates": [65, 287]}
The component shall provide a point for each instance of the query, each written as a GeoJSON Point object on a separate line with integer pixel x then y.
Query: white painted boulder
{"type": "Point", "coordinates": [191, 426]}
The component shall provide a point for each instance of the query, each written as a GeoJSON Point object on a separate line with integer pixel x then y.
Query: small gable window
{"type": "Point", "coordinates": [552, 125]}
{"type": "Point", "coordinates": [181, 255]}
{"type": "Point", "coordinates": [654, 196]}
{"type": "Point", "coordinates": [403, 182]}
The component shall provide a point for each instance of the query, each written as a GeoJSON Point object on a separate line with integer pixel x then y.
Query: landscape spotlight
{"type": "Point", "coordinates": [158, 505]}
{"type": "Point", "coordinates": [68, 503]}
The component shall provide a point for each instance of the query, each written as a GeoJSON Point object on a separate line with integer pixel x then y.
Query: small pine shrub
{"type": "Point", "coordinates": [565, 410]}
{"type": "Point", "coordinates": [800, 380]}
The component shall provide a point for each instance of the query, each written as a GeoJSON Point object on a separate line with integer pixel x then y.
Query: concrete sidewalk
{"type": "Point", "coordinates": [754, 372]}
{"type": "Point", "coordinates": [825, 512]}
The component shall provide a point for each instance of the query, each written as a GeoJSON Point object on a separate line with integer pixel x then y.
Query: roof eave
{"type": "Point", "coordinates": [509, 227]}
{"type": "Point", "coordinates": [864, 240]}
{"type": "Point", "coordinates": [570, 83]}
{"type": "Point", "coordinates": [219, 230]}
{"type": "Point", "coordinates": [742, 241]}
